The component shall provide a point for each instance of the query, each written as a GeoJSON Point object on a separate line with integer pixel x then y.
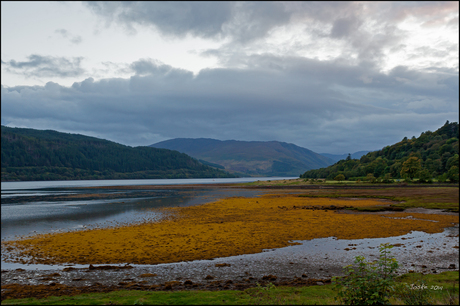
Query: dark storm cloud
{"type": "Point", "coordinates": [324, 106]}
{"type": "Point", "coordinates": [46, 66]}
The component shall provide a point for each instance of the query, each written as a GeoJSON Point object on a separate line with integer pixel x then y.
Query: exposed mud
{"type": "Point", "coordinates": [291, 241]}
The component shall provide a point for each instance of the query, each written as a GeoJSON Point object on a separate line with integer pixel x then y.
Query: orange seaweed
{"type": "Point", "coordinates": [228, 227]}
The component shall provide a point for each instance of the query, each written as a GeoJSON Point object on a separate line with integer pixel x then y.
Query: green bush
{"type": "Point", "coordinates": [369, 283]}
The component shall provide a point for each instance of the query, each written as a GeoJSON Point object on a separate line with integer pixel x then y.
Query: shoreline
{"type": "Point", "coordinates": [302, 264]}
{"type": "Point", "coordinates": [311, 262]}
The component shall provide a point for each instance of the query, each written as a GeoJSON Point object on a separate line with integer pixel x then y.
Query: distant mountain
{"type": "Point", "coordinates": [337, 157]}
{"type": "Point", "coordinates": [431, 155]}
{"type": "Point", "coordinates": [250, 158]}
{"type": "Point", "coordinates": [29, 154]}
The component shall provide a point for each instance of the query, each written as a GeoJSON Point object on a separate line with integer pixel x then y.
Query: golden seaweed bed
{"type": "Point", "coordinates": [231, 226]}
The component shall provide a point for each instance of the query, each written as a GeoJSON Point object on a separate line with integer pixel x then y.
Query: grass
{"type": "Point", "coordinates": [307, 182]}
{"type": "Point", "coordinates": [445, 198]}
{"type": "Point", "coordinates": [268, 295]}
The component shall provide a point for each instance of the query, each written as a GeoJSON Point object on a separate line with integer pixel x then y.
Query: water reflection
{"type": "Point", "coordinates": [46, 212]}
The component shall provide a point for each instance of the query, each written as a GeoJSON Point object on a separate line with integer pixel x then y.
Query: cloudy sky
{"type": "Point", "coordinates": [333, 77]}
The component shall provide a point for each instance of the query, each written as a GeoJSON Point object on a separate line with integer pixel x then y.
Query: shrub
{"type": "Point", "coordinates": [370, 177]}
{"type": "Point", "coordinates": [370, 282]}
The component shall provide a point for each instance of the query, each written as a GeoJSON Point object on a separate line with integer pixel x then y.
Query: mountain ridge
{"type": "Point", "coordinates": [253, 158]}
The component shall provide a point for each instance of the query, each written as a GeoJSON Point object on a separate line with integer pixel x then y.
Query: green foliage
{"type": "Point", "coordinates": [369, 283]}
{"type": "Point", "coordinates": [339, 177]}
{"type": "Point", "coordinates": [424, 176]}
{"type": "Point", "coordinates": [370, 178]}
{"type": "Point", "coordinates": [452, 175]}
{"type": "Point", "coordinates": [436, 152]}
{"type": "Point", "coordinates": [28, 154]}
{"type": "Point", "coordinates": [410, 167]}
{"type": "Point", "coordinates": [387, 178]}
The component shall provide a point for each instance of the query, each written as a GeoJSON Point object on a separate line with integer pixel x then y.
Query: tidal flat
{"type": "Point", "coordinates": [234, 242]}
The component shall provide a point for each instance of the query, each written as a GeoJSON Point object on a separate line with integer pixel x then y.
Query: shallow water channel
{"type": "Point", "coordinates": [44, 210]}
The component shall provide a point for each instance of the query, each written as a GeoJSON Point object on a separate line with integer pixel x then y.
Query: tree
{"type": "Point", "coordinates": [410, 167]}
{"type": "Point", "coordinates": [452, 174]}
{"type": "Point", "coordinates": [387, 178]}
{"type": "Point", "coordinates": [339, 177]}
{"type": "Point", "coordinates": [424, 176]}
{"type": "Point", "coordinates": [370, 177]}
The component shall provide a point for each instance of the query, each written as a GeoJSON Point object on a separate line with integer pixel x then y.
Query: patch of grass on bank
{"type": "Point", "coordinates": [427, 197]}
{"type": "Point", "coordinates": [253, 296]}
{"type": "Point", "coordinates": [440, 287]}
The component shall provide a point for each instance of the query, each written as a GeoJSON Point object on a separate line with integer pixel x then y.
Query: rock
{"type": "Point", "coordinates": [269, 277]}
{"type": "Point", "coordinates": [452, 266]}
{"type": "Point", "coordinates": [320, 283]}
{"type": "Point", "coordinates": [209, 277]}
{"type": "Point", "coordinates": [304, 275]}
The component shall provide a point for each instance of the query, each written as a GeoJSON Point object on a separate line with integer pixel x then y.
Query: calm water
{"type": "Point", "coordinates": [27, 209]}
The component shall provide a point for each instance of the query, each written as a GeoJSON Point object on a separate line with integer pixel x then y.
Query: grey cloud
{"type": "Point", "coordinates": [153, 67]}
{"type": "Point", "coordinates": [240, 21]}
{"type": "Point", "coordinates": [46, 66]}
{"type": "Point", "coordinates": [204, 19]}
{"type": "Point", "coordinates": [344, 27]}
{"type": "Point", "coordinates": [240, 24]}
{"type": "Point", "coordinates": [324, 106]}
{"type": "Point", "coordinates": [75, 39]}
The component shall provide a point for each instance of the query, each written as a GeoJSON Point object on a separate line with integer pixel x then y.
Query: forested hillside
{"type": "Point", "coordinates": [432, 155]}
{"type": "Point", "coordinates": [28, 154]}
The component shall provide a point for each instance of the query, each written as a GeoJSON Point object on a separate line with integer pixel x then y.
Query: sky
{"type": "Point", "coordinates": [332, 77]}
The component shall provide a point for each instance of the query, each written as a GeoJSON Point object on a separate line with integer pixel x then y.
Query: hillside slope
{"type": "Point", "coordinates": [253, 158]}
{"type": "Point", "coordinates": [29, 154]}
{"type": "Point", "coordinates": [432, 155]}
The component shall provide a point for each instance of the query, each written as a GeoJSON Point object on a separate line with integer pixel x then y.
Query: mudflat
{"type": "Point", "coordinates": [218, 238]}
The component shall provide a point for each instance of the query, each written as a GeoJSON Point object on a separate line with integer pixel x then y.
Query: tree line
{"type": "Point", "coordinates": [28, 154]}
{"type": "Point", "coordinates": [433, 155]}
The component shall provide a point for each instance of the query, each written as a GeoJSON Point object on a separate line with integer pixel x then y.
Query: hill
{"type": "Point", "coordinates": [337, 157]}
{"type": "Point", "coordinates": [250, 158]}
{"type": "Point", "coordinates": [432, 155]}
{"type": "Point", "coordinates": [29, 154]}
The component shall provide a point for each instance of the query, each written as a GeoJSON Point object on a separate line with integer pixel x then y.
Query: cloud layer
{"type": "Point", "coordinates": [324, 106]}
{"type": "Point", "coordinates": [335, 77]}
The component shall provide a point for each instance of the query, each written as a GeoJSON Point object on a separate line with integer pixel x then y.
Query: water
{"type": "Point", "coordinates": [9, 186]}
{"type": "Point", "coordinates": [47, 206]}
